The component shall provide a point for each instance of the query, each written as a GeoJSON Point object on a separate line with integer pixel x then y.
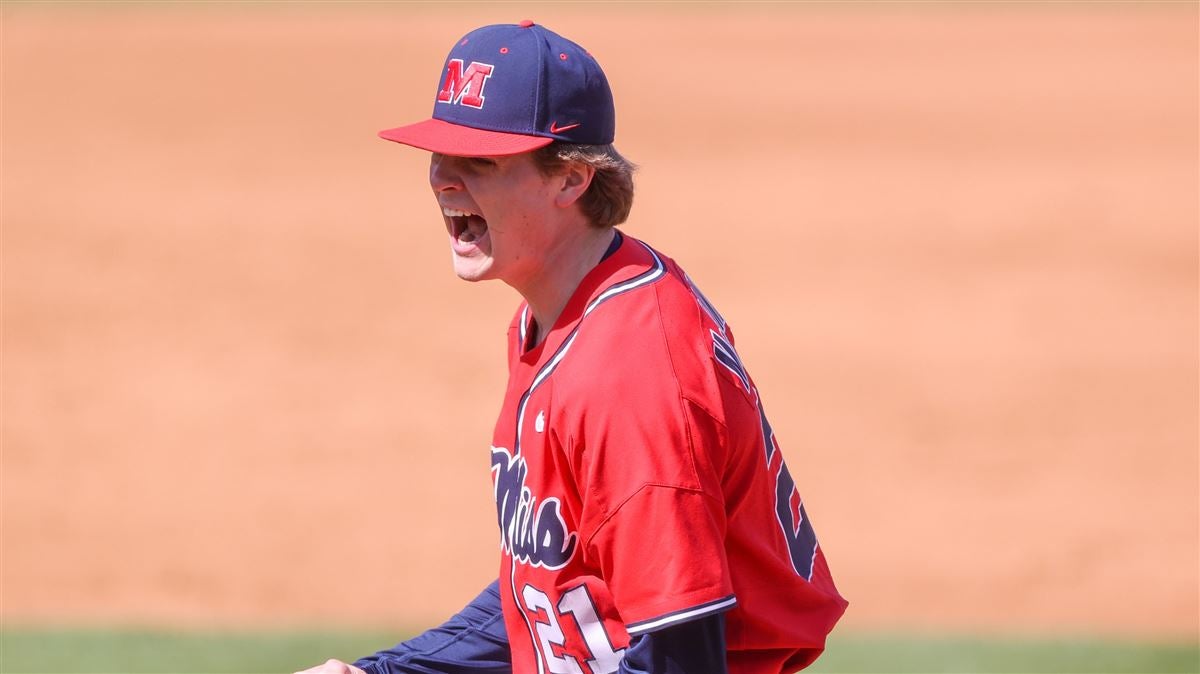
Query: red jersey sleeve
{"type": "Point", "coordinates": [662, 556]}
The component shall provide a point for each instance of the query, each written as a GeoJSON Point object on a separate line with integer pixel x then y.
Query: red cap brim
{"type": "Point", "coordinates": [462, 141]}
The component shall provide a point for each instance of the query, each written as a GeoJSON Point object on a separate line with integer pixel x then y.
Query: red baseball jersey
{"type": "Point", "coordinates": [638, 485]}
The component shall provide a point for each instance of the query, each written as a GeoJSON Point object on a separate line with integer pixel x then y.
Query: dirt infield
{"type": "Point", "coordinates": [958, 245]}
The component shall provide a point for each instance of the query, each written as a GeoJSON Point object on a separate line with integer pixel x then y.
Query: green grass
{"type": "Point", "coordinates": [138, 651]}
{"type": "Point", "coordinates": [899, 653]}
{"type": "Point", "coordinates": [98, 651]}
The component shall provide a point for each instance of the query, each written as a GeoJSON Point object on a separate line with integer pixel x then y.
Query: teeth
{"type": "Point", "coordinates": [455, 213]}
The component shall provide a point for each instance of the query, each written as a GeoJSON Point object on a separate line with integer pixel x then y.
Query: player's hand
{"type": "Point", "coordinates": [333, 667]}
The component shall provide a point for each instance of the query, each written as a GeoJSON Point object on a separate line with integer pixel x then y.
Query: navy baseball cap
{"type": "Point", "coordinates": [507, 89]}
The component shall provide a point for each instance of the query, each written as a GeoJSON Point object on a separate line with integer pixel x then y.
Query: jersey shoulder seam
{"type": "Point", "coordinates": [704, 409]}
{"type": "Point", "coordinates": [646, 485]}
{"type": "Point", "coordinates": [666, 344]}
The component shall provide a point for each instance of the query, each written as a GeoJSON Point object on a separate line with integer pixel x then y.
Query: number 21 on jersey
{"type": "Point", "coordinates": [576, 605]}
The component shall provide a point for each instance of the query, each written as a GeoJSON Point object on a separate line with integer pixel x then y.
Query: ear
{"type": "Point", "coordinates": [573, 183]}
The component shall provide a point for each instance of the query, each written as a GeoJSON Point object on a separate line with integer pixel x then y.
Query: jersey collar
{"type": "Point", "coordinates": [630, 259]}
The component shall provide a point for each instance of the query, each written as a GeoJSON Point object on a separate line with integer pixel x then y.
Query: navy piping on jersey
{"type": "Point", "coordinates": [683, 615]}
{"type": "Point", "coordinates": [724, 353]}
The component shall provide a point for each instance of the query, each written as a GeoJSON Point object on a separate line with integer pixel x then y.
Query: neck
{"type": "Point", "coordinates": [560, 273]}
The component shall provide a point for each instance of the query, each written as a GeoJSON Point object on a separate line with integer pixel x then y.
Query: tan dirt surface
{"type": "Point", "coordinates": [958, 244]}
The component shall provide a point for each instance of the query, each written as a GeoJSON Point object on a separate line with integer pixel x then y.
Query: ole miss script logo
{"type": "Point", "coordinates": [464, 87]}
{"type": "Point", "coordinates": [532, 532]}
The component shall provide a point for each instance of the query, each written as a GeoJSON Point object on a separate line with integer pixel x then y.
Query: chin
{"type": "Point", "coordinates": [472, 270]}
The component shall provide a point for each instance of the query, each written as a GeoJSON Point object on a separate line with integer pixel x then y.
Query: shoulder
{"type": "Point", "coordinates": [657, 340]}
{"type": "Point", "coordinates": [637, 321]}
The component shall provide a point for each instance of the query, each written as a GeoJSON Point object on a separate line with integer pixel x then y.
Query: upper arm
{"type": "Point", "coordinates": [684, 648]}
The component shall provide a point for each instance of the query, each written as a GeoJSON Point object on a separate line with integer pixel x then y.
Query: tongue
{"type": "Point", "coordinates": [476, 228]}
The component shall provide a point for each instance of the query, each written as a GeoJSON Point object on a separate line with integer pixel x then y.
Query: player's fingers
{"type": "Point", "coordinates": [332, 666]}
{"type": "Point", "coordinates": [319, 669]}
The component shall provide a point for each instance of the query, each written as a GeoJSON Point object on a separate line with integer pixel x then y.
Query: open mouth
{"type": "Point", "coordinates": [464, 226]}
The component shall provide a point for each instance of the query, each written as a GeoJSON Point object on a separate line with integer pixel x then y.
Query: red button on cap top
{"type": "Point", "coordinates": [525, 24]}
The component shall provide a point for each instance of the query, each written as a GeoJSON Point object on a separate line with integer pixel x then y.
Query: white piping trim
{"type": "Point", "coordinates": [685, 616]}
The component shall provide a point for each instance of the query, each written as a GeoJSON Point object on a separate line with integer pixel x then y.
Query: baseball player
{"type": "Point", "coordinates": [647, 520]}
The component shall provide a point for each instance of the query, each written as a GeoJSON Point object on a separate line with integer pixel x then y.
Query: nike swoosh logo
{"type": "Point", "coordinates": [555, 128]}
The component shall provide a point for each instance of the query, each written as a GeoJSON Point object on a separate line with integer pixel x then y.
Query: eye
{"type": "Point", "coordinates": [482, 162]}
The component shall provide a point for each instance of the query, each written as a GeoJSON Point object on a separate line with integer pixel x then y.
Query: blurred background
{"type": "Point", "coordinates": [246, 403]}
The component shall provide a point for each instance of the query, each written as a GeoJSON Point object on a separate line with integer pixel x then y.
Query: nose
{"type": "Point", "coordinates": [443, 177]}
